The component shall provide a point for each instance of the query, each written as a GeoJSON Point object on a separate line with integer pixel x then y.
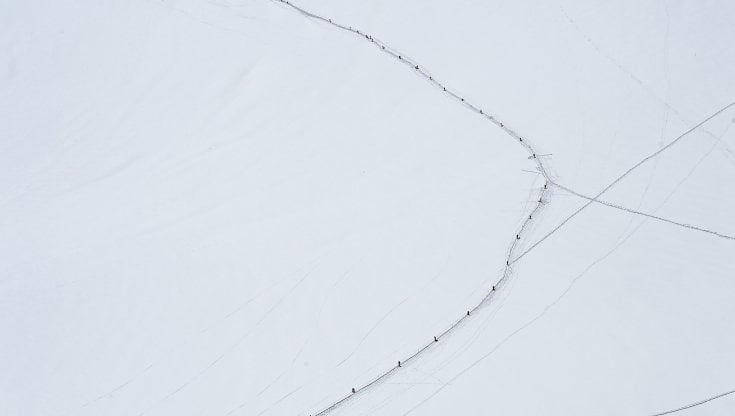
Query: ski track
{"type": "Point", "coordinates": [689, 406]}
{"type": "Point", "coordinates": [543, 196]}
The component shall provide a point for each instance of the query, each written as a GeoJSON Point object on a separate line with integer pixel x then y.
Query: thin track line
{"type": "Point", "coordinates": [689, 406]}
{"type": "Point", "coordinates": [644, 214]}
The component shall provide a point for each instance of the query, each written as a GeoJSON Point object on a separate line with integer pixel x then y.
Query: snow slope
{"type": "Point", "coordinates": [216, 208]}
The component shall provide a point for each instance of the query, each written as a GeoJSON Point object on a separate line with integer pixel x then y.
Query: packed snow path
{"type": "Point", "coordinates": [543, 197]}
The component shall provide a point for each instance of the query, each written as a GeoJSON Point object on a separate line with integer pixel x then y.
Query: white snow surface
{"type": "Point", "coordinates": [227, 208]}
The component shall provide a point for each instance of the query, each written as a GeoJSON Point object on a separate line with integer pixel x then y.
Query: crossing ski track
{"type": "Point", "coordinates": [622, 176]}
{"type": "Point", "coordinates": [543, 197]}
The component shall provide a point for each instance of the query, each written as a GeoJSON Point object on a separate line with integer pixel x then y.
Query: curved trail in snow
{"type": "Point", "coordinates": [543, 197]}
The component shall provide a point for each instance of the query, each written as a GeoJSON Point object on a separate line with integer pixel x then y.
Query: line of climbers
{"type": "Point", "coordinates": [520, 139]}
